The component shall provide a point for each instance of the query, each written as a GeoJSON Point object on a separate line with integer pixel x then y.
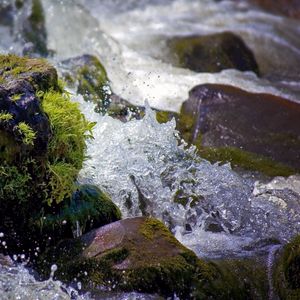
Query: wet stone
{"type": "Point", "coordinates": [225, 116]}
{"type": "Point", "coordinates": [213, 53]}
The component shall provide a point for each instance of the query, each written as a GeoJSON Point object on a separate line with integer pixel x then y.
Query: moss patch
{"type": "Point", "coordinates": [246, 160]}
{"type": "Point", "coordinates": [287, 271]}
{"type": "Point", "coordinates": [67, 146]}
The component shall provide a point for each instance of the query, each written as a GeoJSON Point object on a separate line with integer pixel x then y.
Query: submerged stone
{"type": "Point", "coordinates": [251, 130]}
{"type": "Point", "coordinates": [213, 53]}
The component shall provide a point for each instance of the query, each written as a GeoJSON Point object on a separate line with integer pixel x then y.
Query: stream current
{"type": "Point", "coordinates": [143, 165]}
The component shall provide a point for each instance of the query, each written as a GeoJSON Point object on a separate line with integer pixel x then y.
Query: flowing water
{"type": "Point", "coordinates": [143, 165]}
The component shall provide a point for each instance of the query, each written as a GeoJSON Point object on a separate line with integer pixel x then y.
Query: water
{"type": "Point", "coordinates": [143, 165]}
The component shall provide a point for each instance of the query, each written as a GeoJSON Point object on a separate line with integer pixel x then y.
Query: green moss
{"type": "Point", "coordinates": [93, 84]}
{"type": "Point", "coordinates": [16, 97]}
{"type": "Point", "coordinates": [28, 135]}
{"type": "Point", "coordinates": [246, 160]}
{"type": "Point", "coordinates": [287, 271]}
{"type": "Point", "coordinates": [151, 227]}
{"type": "Point", "coordinates": [67, 146]}
{"type": "Point", "coordinates": [5, 116]}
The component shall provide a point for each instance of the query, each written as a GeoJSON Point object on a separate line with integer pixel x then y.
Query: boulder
{"type": "Point", "coordinates": [140, 254]}
{"type": "Point", "coordinates": [213, 53]}
{"type": "Point", "coordinates": [229, 124]}
{"type": "Point", "coordinates": [42, 143]}
{"type": "Point", "coordinates": [133, 254]}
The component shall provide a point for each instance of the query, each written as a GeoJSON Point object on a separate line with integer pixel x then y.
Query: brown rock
{"type": "Point", "coordinates": [225, 116]}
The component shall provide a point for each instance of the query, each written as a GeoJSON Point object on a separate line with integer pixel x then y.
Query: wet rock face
{"type": "Point", "coordinates": [224, 116]}
{"type": "Point", "coordinates": [213, 53]}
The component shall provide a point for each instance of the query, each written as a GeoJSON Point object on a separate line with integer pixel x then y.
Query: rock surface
{"type": "Point", "coordinates": [213, 53]}
{"type": "Point", "coordinates": [225, 116]}
{"type": "Point", "coordinates": [132, 254]}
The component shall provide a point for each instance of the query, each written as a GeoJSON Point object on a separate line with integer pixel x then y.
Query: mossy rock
{"type": "Point", "coordinates": [88, 75]}
{"type": "Point", "coordinates": [138, 254]}
{"type": "Point", "coordinates": [235, 278]}
{"type": "Point", "coordinates": [213, 53]}
{"type": "Point", "coordinates": [42, 146]}
{"type": "Point", "coordinates": [34, 30]}
{"type": "Point", "coordinates": [257, 132]}
{"type": "Point", "coordinates": [287, 271]}
{"type": "Point", "coordinates": [141, 254]}
{"type": "Point", "coordinates": [88, 209]}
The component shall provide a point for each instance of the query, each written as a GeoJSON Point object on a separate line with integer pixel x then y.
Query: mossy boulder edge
{"type": "Point", "coordinates": [42, 144]}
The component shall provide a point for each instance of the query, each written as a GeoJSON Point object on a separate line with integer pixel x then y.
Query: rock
{"type": "Point", "coordinates": [5, 261]}
{"type": "Point", "coordinates": [213, 53]}
{"type": "Point", "coordinates": [89, 208]}
{"type": "Point", "coordinates": [236, 278]}
{"type": "Point", "coordinates": [140, 254]}
{"type": "Point", "coordinates": [6, 14]}
{"type": "Point", "coordinates": [133, 254]}
{"type": "Point", "coordinates": [286, 275]}
{"type": "Point", "coordinates": [89, 76]}
{"type": "Point", "coordinates": [33, 27]}
{"type": "Point", "coordinates": [250, 130]}
{"type": "Point", "coordinates": [289, 8]}
{"type": "Point", "coordinates": [20, 80]}
{"type": "Point", "coordinates": [86, 74]}
{"type": "Point", "coordinates": [42, 143]}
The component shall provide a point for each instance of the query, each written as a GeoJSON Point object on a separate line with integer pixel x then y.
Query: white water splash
{"type": "Point", "coordinates": [142, 165]}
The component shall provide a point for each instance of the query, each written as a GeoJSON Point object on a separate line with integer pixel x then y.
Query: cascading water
{"type": "Point", "coordinates": [142, 164]}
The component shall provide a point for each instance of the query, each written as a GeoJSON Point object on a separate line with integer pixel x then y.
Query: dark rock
{"type": "Point", "coordinates": [213, 53]}
{"type": "Point", "coordinates": [240, 124]}
{"type": "Point", "coordinates": [20, 79]}
{"type": "Point", "coordinates": [5, 261]}
{"type": "Point", "coordinates": [86, 74]}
